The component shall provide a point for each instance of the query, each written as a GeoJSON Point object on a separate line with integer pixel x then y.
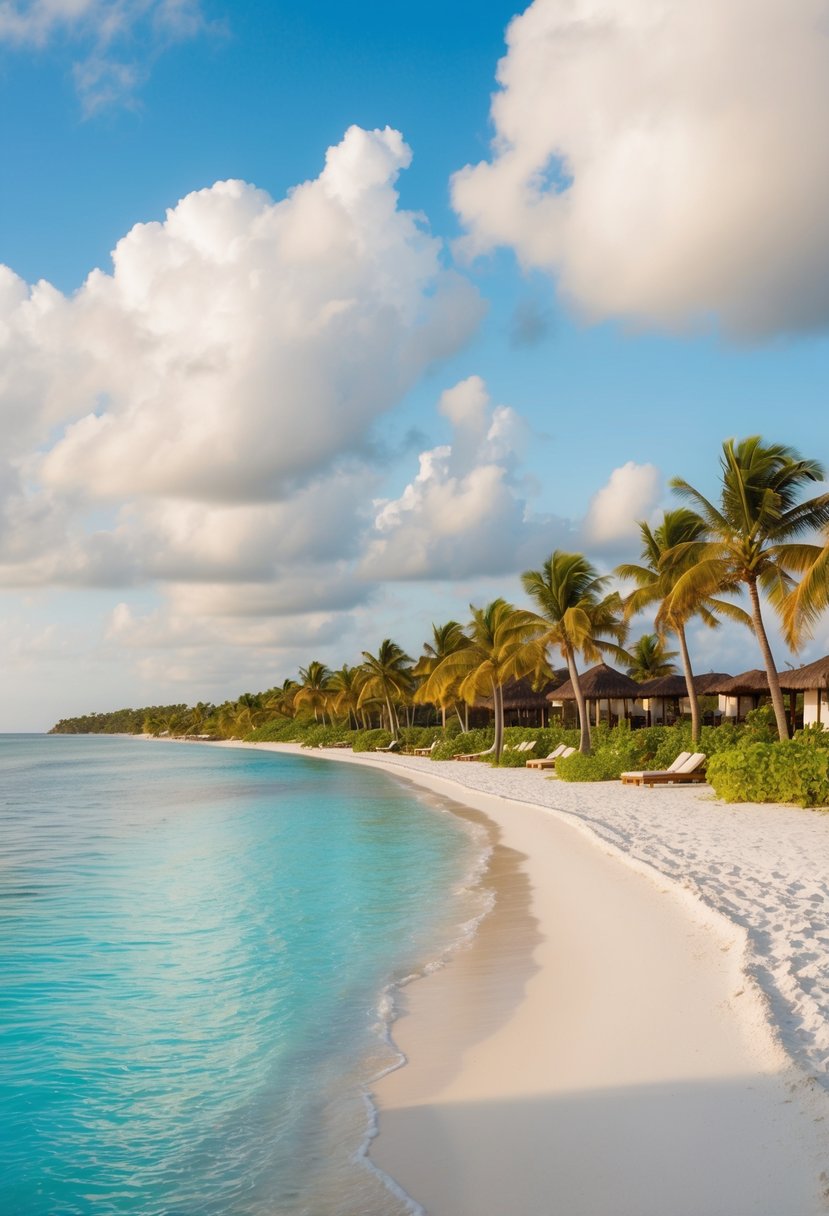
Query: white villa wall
{"type": "Point", "coordinates": [815, 711]}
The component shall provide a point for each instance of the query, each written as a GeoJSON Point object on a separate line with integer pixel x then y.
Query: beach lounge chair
{"type": "Point", "coordinates": [554, 756]}
{"type": "Point", "coordinates": [690, 772]}
{"type": "Point", "coordinates": [394, 746]}
{"type": "Point", "coordinates": [540, 761]}
{"type": "Point", "coordinates": [475, 755]}
{"type": "Point", "coordinates": [633, 778]}
{"type": "Point", "coordinates": [425, 751]}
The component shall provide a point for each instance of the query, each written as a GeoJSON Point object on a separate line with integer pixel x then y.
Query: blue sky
{"type": "Point", "coordinates": [211, 466]}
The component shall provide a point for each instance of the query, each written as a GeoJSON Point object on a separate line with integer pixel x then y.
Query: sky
{"type": "Point", "coordinates": [320, 322]}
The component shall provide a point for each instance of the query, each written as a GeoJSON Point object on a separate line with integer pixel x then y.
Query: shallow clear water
{"type": "Point", "coordinates": [194, 947]}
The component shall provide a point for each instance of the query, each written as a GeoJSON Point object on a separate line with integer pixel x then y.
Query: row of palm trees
{"type": "Point", "coordinates": [693, 563]}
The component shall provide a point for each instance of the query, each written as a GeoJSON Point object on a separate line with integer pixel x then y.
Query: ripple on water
{"type": "Point", "coordinates": [193, 944]}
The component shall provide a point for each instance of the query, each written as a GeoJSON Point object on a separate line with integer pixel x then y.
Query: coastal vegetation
{"type": "Point", "coordinates": [759, 536]}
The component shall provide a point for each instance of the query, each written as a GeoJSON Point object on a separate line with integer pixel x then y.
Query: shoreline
{"type": "Point", "coordinates": [628, 1065]}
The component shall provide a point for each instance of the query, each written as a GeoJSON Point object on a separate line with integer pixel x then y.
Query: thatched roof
{"type": "Point", "coordinates": [813, 675]}
{"type": "Point", "coordinates": [753, 683]}
{"type": "Point", "coordinates": [675, 686]}
{"type": "Point", "coordinates": [599, 683]}
{"type": "Point", "coordinates": [746, 684]}
{"type": "Point", "coordinates": [666, 686]}
{"type": "Point", "coordinates": [709, 681]}
{"type": "Point", "coordinates": [520, 694]}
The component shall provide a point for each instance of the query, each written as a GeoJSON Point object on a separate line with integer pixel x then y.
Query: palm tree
{"type": "Point", "coordinates": [649, 659]}
{"type": "Point", "coordinates": [809, 598]}
{"type": "Point", "coordinates": [387, 677]}
{"type": "Point", "coordinates": [502, 646]}
{"type": "Point", "coordinates": [281, 700]}
{"type": "Point", "coordinates": [668, 550]}
{"type": "Point", "coordinates": [446, 639]}
{"type": "Point", "coordinates": [577, 616]}
{"type": "Point", "coordinates": [315, 684]}
{"type": "Point", "coordinates": [344, 692]}
{"type": "Point", "coordinates": [749, 536]}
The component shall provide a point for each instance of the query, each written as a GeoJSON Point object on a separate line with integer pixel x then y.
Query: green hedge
{"type": "Point", "coordinates": [464, 744]}
{"type": "Point", "coordinates": [794, 771]}
{"type": "Point", "coordinates": [368, 740]}
{"type": "Point", "coordinates": [601, 766]}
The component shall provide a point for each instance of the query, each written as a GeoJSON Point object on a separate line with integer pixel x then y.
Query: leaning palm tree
{"type": "Point", "coordinates": [649, 659]}
{"type": "Point", "coordinates": [808, 599]}
{"type": "Point", "coordinates": [503, 645]}
{"type": "Point", "coordinates": [578, 617]}
{"type": "Point", "coordinates": [446, 639]}
{"type": "Point", "coordinates": [387, 678]}
{"type": "Point", "coordinates": [344, 693]}
{"type": "Point", "coordinates": [749, 536]}
{"type": "Point", "coordinates": [314, 687]}
{"type": "Point", "coordinates": [281, 700]}
{"type": "Point", "coordinates": [668, 550]}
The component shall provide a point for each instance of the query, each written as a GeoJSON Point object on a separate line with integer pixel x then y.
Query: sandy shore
{"type": "Point", "coordinates": [611, 1044]}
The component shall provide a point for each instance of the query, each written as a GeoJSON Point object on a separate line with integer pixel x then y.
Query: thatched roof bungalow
{"type": "Point", "coordinates": [813, 681]}
{"type": "Point", "coordinates": [525, 705]}
{"type": "Point", "coordinates": [744, 692]}
{"type": "Point", "coordinates": [666, 698]}
{"type": "Point", "coordinates": [602, 684]}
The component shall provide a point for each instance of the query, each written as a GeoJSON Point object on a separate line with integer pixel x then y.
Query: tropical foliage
{"type": "Point", "coordinates": [755, 537]}
{"type": "Point", "coordinates": [749, 539]}
{"type": "Point", "coordinates": [576, 616]}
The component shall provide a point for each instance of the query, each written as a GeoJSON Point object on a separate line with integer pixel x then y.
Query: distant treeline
{"type": "Point", "coordinates": [119, 721]}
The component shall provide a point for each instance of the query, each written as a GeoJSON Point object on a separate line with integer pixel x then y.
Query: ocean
{"type": "Point", "coordinates": [199, 954]}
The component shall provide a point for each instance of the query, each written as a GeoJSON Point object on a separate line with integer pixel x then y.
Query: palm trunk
{"type": "Point", "coordinates": [689, 683]}
{"type": "Point", "coordinates": [393, 723]}
{"type": "Point", "coordinates": [584, 720]}
{"type": "Point", "coordinates": [458, 712]}
{"type": "Point", "coordinates": [768, 659]}
{"type": "Point", "coordinates": [498, 703]}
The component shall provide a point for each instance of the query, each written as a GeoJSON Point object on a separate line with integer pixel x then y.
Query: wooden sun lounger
{"type": "Point", "coordinates": [689, 771]}
{"type": "Point", "coordinates": [474, 755]}
{"type": "Point", "coordinates": [425, 751]}
{"type": "Point", "coordinates": [553, 758]}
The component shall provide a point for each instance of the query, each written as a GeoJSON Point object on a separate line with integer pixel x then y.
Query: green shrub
{"type": "Point", "coordinates": [600, 766]}
{"type": "Point", "coordinates": [280, 730]}
{"type": "Point", "coordinates": [813, 736]}
{"type": "Point", "coordinates": [791, 771]}
{"type": "Point", "coordinates": [324, 736]}
{"type": "Point", "coordinates": [761, 725]}
{"type": "Point", "coordinates": [418, 736]}
{"type": "Point", "coordinates": [368, 740]}
{"type": "Point", "coordinates": [464, 744]}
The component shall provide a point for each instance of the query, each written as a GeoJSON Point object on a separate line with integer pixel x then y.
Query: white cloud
{"type": "Point", "coordinates": [241, 345]}
{"type": "Point", "coordinates": [632, 493]}
{"type": "Point", "coordinates": [115, 39]}
{"type": "Point", "coordinates": [465, 512]}
{"type": "Point", "coordinates": [205, 411]}
{"type": "Point", "coordinates": [667, 161]}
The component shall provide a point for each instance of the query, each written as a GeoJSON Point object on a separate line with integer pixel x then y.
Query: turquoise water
{"type": "Point", "coordinates": [196, 947]}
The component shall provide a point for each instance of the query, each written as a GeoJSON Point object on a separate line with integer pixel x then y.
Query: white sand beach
{"type": "Point", "coordinates": [641, 1025]}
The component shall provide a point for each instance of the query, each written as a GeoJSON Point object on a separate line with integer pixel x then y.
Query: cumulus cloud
{"type": "Point", "coordinates": [241, 345]}
{"type": "Point", "coordinates": [632, 493]}
{"type": "Point", "coordinates": [205, 411]}
{"type": "Point", "coordinates": [465, 512]}
{"type": "Point", "coordinates": [116, 40]}
{"type": "Point", "coordinates": [667, 162]}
